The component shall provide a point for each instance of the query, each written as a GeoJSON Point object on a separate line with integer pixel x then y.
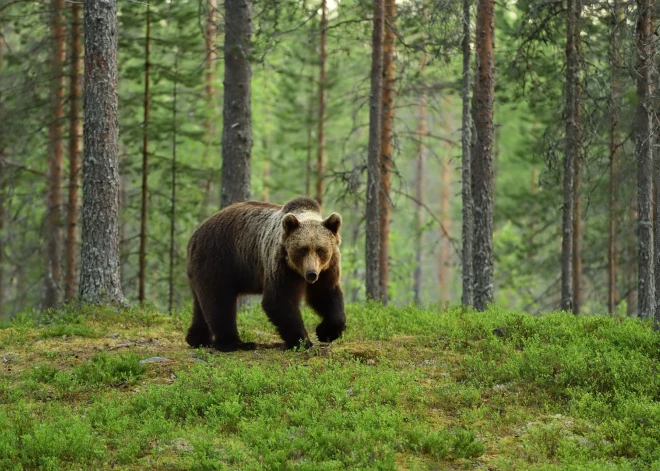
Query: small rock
{"type": "Point", "coordinates": [124, 344]}
{"type": "Point", "coordinates": [155, 360]}
{"type": "Point", "coordinates": [112, 336]}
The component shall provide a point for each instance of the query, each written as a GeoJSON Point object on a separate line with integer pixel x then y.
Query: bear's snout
{"type": "Point", "coordinates": [311, 276]}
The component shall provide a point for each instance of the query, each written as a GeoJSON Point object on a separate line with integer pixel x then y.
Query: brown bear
{"type": "Point", "coordinates": [283, 252]}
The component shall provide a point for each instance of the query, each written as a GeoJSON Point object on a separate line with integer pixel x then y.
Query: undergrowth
{"type": "Point", "coordinates": [405, 388]}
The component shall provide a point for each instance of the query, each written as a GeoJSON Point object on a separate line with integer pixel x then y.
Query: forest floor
{"type": "Point", "coordinates": [404, 389]}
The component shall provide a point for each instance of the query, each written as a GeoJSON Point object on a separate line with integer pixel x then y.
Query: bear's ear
{"type": "Point", "coordinates": [332, 223]}
{"type": "Point", "coordinates": [290, 223]}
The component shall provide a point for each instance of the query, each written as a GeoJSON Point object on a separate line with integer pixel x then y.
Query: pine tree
{"type": "Point", "coordinates": [99, 269]}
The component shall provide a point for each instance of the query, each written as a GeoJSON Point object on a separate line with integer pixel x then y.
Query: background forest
{"type": "Point", "coordinates": [310, 106]}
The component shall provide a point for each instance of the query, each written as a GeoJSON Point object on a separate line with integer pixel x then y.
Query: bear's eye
{"type": "Point", "coordinates": [301, 252]}
{"type": "Point", "coordinates": [320, 253]}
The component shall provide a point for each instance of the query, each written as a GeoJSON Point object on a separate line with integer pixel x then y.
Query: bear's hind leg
{"type": "Point", "coordinates": [199, 334]}
{"type": "Point", "coordinates": [222, 321]}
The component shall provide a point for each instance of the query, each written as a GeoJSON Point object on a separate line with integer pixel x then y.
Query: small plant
{"type": "Point", "coordinates": [111, 370]}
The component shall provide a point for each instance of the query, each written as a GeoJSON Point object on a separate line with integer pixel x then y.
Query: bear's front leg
{"type": "Point", "coordinates": [282, 306]}
{"type": "Point", "coordinates": [327, 299]}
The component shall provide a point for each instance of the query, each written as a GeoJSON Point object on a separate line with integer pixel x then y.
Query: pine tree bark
{"type": "Point", "coordinates": [572, 146]}
{"type": "Point", "coordinates": [615, 63]}
{"type": "Point", "coordinates": [170, 304]}
{"type": "Point", "coordinates": [386, 158]}
{"type": "Point", "coordinates": [99, 259]}
{"type": "Point", "coordinates": [75, 136]}
{"type": "Point", "coordinates": [419, 191]}
{"type": "Point", "coordinates": [145, 166]}
{"type": "Point", "coordinates": [577, 238]}
{"type": "Point", "coordinates": [644, 153]}
{"type": "Point", "coordinates": [237, 119]}
{"type": "Point", "coordinates": [467, 296]}
{"type": "Point", "coordinates": [320, 157]}
{"type": "Point", "coordinates": [211, 100]}
{"type": "Point", "coordinates": [372, 255]}
{"type": "Point", "coordinates": [482, 165]}
{"type": "Point", "coordinates": [55, 161]}
{"type": "Point", "coordinates": [3, 179]}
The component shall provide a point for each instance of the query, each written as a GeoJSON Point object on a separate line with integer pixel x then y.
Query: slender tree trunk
{"type": "Point", "coordinates": [310, 138]}
{"type": "Point", "coordinates": [386, 158]}
{"type": "Point", "coordinates": [211, 98]}
{"type": "Point", "coordinates": [170, 304]}
{"type": "Point", "coordinates": [572, 146]}
{"type": "Point", "coordinates": [99, 259]}
{"type": "Point", "coordinates": [629, 254]}
{"type": "Point", "coordinates": [3, 179]}
{"type": "Point", "coordinates": [237, 118]}
{"type": "Point", "coordinates": [373, 160]}
{"type": "Point", "coordinates": [445, 225]}
{"type": "Point", "coordinates": [577, 238]}
{"type": "Point", "coordinates": [75, 136]}
{"type": "Point", "coordinates": [56, 156]}
{"type": "Point", "coordinates": [611, 243]}
{"type": "Point", "coordinates": [320, 158]}
{"type": "Point", "coordinates": [482, 166]}
{"type": "Point", "coordinates": [467, 297]}
{"type": "Point", "coordinates": [145, 165]}
{"type": "Point", "coordinates": [266, 144]}
{"type": "Point", "coordinates": [644, 152]}
{"type": "Point", "coordinates": [615, 63]}
{"type": "Point", "coordinates": [419, 191]}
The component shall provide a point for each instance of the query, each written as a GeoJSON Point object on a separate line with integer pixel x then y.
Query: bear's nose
{"type": "Point", "coordinates": [311, 276]}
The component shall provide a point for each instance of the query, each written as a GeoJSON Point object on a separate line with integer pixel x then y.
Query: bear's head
{"type": "Point", "coordinates": [310, 243]}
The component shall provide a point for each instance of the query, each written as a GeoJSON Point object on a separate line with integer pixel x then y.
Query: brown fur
{"type": "Point", "coordinates": [284, 252]}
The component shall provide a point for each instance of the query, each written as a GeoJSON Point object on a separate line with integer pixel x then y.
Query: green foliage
{"type": "Point", "coordinates": [104, 369]}
{"type": "Point", "coordinates": [410, 387]}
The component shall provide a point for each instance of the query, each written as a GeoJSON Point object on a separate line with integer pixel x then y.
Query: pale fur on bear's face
{"type": "Point", "coordinates": [310, 243]}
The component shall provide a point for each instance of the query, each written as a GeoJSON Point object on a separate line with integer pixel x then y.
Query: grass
{"type": "Point", "coordinates": [404, 389]}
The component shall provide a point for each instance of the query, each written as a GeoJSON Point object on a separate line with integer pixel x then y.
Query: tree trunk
{"type": "Point", "coordinates": [482, 166]}
{"type": "Point", "coordinates": [572, 146]}
{"type": "Point", "coordinates": [3, 179]}
{"type": "Point", "coordinates": [372, 252]}
{"type": "Point", "coordinates": [644, 152]}
{"type": "Point", "coordinates": [577, 238]}
{"type": "Point", "coordinates": [55, 161]}
{"type": "Point", "coordinates": [386, 159]}
{"type": "Point", "coordinates": [629, 252]}
{"type": "Point", "coordinates": [310, 136]}
{"type": "Point", "coordinates": [445, 225]}
{"type": "Point", "coordinates": [99, 260]}
{"type": "Point", "coordinates": [266, 145]}
{"type": "Point", "coordinates": [419, 192]}
{"type": "Point", "coordinates": [237, 124]}
{"type": "Point", "coordinates": [615, 63]}
{"type": "Point", "coordinates": [170, 304]}
{"type": "Point", "coordinates": [467, 297]}
{"type": "Point", "coordinates": [75, 135]}
{"type": "Point", "coordinates": [320, 158]}
{"type": "Point", "coordinates": [145, 166]}
{"type": "Point", "coordinates": [211, 100]}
